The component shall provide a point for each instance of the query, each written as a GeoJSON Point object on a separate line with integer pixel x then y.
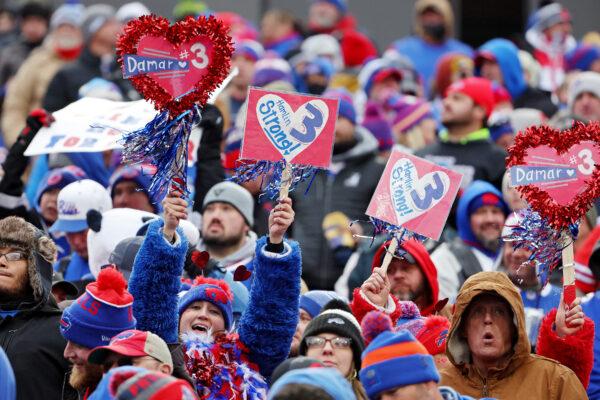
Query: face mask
{"type": "Point", "coordinates": [67, 47]}
{"type": "Point", "coordinates": [315, 88]}
{"type": "Point", "coordinates": [435, 31]}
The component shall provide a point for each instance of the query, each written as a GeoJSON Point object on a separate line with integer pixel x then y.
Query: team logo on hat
{"type": "Point", "coordinates": [67, 208]}
{"type": "Point", "coordinates": [217, 295]}
{"type": "Point", "coordinates": [338, 321]}
{"type": "Point", "coordinates": [441, 338]}
{"type": "Point", "coordinates": [65, 324]}
{"type": "Point", "coordinates": [122, 336]}
{"type": "Point", "coordinates": [55, 178]}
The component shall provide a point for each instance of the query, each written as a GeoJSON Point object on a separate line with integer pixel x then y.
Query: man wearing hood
{"type": "Point", "coordinates": [490, 354]}
{"type": "Point", "coordinates": [480, 218]}
{"type": "Point", "coordinates": [29, 315]}
{"type": "Point", "coordinates": [412, 277]}
{"type": "Point", "coordinates": [346, 187]}
{"type": "Point", "coordinates": [434, 24]}
{"type": "Point", "coordinates": [498, 61]}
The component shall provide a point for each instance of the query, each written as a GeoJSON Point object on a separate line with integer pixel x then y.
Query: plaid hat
{"type": "Point", "coordinates": [103, 311]}
{"type": "Point", "coordinates": [313, 301]}
{"type": "Point", "coordinates": [478, 89]}
{"type": "Point", "coordinates": [346, 107]}
{"type": "Point", "coordinates": [582, 57]}
{"type": "Point", "coordinates": [410, 111]}
{"type": "Point", "coordinates": [140, 174]}
{"type": "Point", "coordinates": [214, 291]}
{"type": "Point", "coordinates": [251, 49]}
{"type": "Point", "coordinates": [133, 343]}
{"type": "Point", "coordinates": [74, 202]}
{"type": "Point", "coordinates": [234, 194]}
{"type": "Point", "coordinates": [336, 318]}
{"type": "Point", "coordinates": [391, 352]}
{"type": "Point", "coordinates": [58, 179]}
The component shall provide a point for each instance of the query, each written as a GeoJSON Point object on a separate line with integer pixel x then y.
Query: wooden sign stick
{"type": "Point", "coordinates": [286, 181]}
{"type": "Point", "coordinates": [569, 291]}
{"type": "Point", "coordinates": [389, 254]}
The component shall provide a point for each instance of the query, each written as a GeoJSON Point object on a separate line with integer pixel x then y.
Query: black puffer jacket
{"type": "Point", "coordinates": [349, 191]}
{"type": "Point", "coordinates": [34, 345]}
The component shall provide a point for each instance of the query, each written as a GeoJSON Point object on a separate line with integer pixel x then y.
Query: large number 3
{"type": "Point", "coordinates": [431, 193]}
{"type": "Point", "coordinates": [200, 52]}
{"type": "Point", "coordinates": [310, 125]}
{"type": "Point", "coordinates": [588, 164]}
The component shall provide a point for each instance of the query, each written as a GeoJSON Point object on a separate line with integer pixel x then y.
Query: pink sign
{"type": "Point", "coordinates": [296, 127]}
{"type": "Point", "coordinates": [561, 176]}
{"type": "Point", "coordinates": [415, 194]}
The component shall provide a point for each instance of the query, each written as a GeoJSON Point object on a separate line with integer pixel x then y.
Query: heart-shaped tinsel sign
{"type": "Point", "coordinates": [175, 66]}
{"type": "Point", "coordinates": [557, 171]}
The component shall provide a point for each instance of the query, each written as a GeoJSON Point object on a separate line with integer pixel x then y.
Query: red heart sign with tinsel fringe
{"type": "Point", "coordinates": [571, 158]}
{"type": "Point", "coordinates": [175, 66]}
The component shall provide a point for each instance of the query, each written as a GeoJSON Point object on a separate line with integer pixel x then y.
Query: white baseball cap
{"type": "Point", "coordinates": [74, 202]}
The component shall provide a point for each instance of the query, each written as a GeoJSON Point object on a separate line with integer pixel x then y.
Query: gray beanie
{"type": "Point", "coordinates": [70, 14]}
{"type": "Point", "coordinates": [584, 82]}
{"type": "Point", "coordinates": [95, 17]}
{"type": "Point", "coordinates": [234, 194]}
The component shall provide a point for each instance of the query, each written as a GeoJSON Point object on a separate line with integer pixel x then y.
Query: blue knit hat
{"type": "Point", "coordinates": [250, 49]}
{"type": "Point", "coordinates": [215, 291]}
{"type": "Point", "coordinates": [328, 379]}
{"type": "Point", "coordinates": [341, 5]}
{"type": "Point", "coordinates": [58, 179]}
{"type": "Point", "coordinates": [346, 107]}
{"type": "Point", "coordinates": [141, 175]}
{"type": "Point", "coordinates": [391, 352]}
{"type": "Point", "coordinates": [103, 311]}
{"type": "Point", "coordinates": [313, 301]}
{"type": "Point", "coordinates": [271, 69]}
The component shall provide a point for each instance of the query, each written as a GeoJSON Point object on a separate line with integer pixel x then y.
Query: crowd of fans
{"type": "Point", "coordinates": [107, 294]}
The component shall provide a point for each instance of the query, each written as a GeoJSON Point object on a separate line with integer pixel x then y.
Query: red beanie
{"type": "Point", "coordinates": [478, 89]}
{"type": "Point", "coordinates": [433, 334]}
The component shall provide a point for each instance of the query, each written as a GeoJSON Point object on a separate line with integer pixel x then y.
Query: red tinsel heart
{"type": "Point", "coordinates": [559, 216]}
{"type": "Point", "coordinates": [194, 84]}
{"type": "Point", "coordinates": [241, 273]}
{"type": "Point", "coordinates": [200, 258]}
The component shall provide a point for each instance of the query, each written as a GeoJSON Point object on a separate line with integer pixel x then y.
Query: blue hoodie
{"type": "Point", "coordinates": [463, 218]}
{"type": "Point", "coordinates": [507, 57]}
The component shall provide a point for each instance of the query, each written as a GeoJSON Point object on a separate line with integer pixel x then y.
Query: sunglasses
{"type": "Point", "coordinates": [318, 342]}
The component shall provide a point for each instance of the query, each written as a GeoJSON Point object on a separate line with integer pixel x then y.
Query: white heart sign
{"type": "Point", "coordinates": [291, 132]}
{"type": "Point", "coordinates": [413, 196]}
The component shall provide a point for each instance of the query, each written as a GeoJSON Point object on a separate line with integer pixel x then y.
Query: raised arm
{"type": "Point", "coordinates": [156, 277]}
{"type": "Point", "coordinates": [269, 322]}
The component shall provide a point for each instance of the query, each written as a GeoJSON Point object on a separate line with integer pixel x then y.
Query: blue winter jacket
{"type": "Point", "coordinates": [591, 308]}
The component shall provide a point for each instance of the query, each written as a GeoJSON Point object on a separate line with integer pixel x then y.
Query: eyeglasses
{"type": "Point", "coordinates": [13, 256]}
{"type": "Point", "coordinates": [318, 342]}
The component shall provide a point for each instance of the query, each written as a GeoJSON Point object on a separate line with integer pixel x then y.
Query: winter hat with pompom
{"type": "Point", "coordinates": [215, 291]}
{"type": "Point", "coordinates": [103, 311]}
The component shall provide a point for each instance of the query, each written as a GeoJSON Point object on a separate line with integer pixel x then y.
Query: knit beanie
{"type": "Point", "coordinates": [58, 179]}
{"type": "Point", "coordinates": [480, 90]}
{"type": "Point", "coordinates": [584, 82]}
{"type": "Point", "coordinates": [129, 11]}
{"type": "Point", "coordinates": [128, 383]}
{"type": "Point", "coordinates": [313, 301]}
{"type": "Point", "coordinates": [234, 194]}
{"type": "Point", "coordinates": [449, 67]}
{"type": "Point", "coordinates": [94, 18]}
{"type": "Point", "coordinates": [547, 16]}
{"type": "Point", "coordinates": [251, 49]}
{"type": "Point", "coordinates": [103, 311]}
{"type": "Point", "coordinates": [346, 107]}
{"type": "Point", "coordinates": [341, 5]}
{"type": "Point", "coordinates": [336, 318]}
{"type": "Point", "coordinates": [69, 14]}
{"type": "Point", "coordinates": [582, 57]}
{"type": "Point", "coordinates": [215, 291]}
{"type": "Point", "coordinates": [487, 199]}
{"type": "Point", "coordinates": [40, 250]}
{"type": "Point", "coordinates": [185, 8]}
{"type": "Point", "coordinates": [410, 111]}
{"type": "Point", "coordinates": [35, 9]}
{"type": "Point", "coordinates": [328, 379]}
{"type": "Point", "coordinates": [269, 70]}
{"type": "Point", "coordinates": [141, 175]}
{"type": "Point", "coordinates": [392, 352]}
{"type": "Point", "coordinates": [293, 363]}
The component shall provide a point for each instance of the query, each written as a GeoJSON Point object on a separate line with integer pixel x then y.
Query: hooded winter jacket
{"type": "Point", "coordinates": [30, 336]}
{"type": "Point", "coordinates": [361, 306]}
{"type": "Point", "coordinates": [464, 256]}
{"type": "Point", "coordinates": [523, 375]}
{"type": "Point", "coordinates": [348, 191]}
{"type": "Point", "coordinates": [506, 55]}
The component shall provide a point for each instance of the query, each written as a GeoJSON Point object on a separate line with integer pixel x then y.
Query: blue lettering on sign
{"type": "Point", "coordinates": [310, 125]}
{"type": "Point", "coordinates": [273, 129]}
{"type": "Point", "coordinates": [399, 199]}
{"type": "Point", "coordinates": [134, 65]}
{"type": "Point", "coordinates": [432, 193]}
{"type": "Point", "coordinates": [525, 175]}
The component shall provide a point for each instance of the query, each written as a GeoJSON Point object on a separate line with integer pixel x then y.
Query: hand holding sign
{"type": "Point", "coordinates": [287, 135]}
{"type": "Point", "coordinates": [557, 174]}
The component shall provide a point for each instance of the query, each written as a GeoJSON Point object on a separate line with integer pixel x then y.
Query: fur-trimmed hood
{"type": "Point", "coordinates": [41, 251]}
